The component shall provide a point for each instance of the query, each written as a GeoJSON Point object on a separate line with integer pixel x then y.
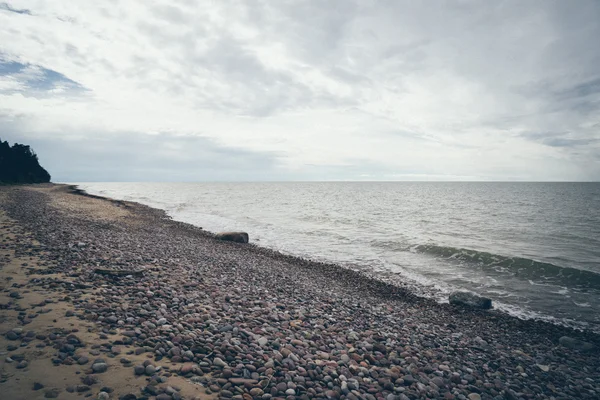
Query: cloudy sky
{"type": "Point", "coordinates": [191, 90]}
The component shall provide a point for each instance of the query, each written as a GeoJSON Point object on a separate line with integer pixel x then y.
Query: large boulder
{"type": "Point", "coordinates": [575, 344]}
{"type": "Point", "coordinates": [238, 237]}
{"type": "Point", "coordinates": [470, 300]}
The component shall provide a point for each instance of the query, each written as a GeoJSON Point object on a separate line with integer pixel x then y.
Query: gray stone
{"type": "Point", "coordinates": [52, 393]}
{"type": "Point", "coordinates": [470, 300]}
{"type": "Point", "coordinates": [219, 363]}
{"type": "Point", "coordinates": [150, 370]}
{"type": "Point", "coordinates": [12, 335]}
{"type": "Point", "coordinates": [575, 344]}
{"type": "Point", "coordinates": [103, 396]}
{"type": "Point", "coordinates": [238, 237]}
{"type": "Point", "coordinates": [99, 367]}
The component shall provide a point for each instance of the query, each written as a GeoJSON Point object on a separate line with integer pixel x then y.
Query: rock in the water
{"type": "Point", "coordinates": [238, 237]}
{"type": "Point", "coordinates": [470, 300]}
{"type": "Point", "coordinates": [575, 344]}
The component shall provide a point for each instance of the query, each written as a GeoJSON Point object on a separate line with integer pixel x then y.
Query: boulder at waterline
{"type": "Point", "coordinates": [575, 344]}
{"type": "Point", "coordinates": [238, 237]}
{"type": "Point", "coordinates": [470, 300]}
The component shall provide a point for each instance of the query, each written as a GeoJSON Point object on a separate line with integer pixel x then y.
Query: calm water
{"type": "Point", "coordinates": [534, 248]}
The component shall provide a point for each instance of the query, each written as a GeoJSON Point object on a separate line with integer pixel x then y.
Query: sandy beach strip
{"type": "Point", "coordinates": [113, 300]}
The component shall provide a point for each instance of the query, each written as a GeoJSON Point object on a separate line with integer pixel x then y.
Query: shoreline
{"type": "Point", "coordinates": [382, 283]}
{"type": "Point", "coordinates": [235, 311]}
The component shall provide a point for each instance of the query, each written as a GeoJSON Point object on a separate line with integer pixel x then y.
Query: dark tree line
{"type": "Point", "coordinates": [19, 164]}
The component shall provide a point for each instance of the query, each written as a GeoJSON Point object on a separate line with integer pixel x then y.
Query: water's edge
{"type": "Point", "coordinates": [399, 281]}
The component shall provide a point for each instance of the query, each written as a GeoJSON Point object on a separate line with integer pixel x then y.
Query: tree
{"type": "Point", "coordinates": [19, 164]}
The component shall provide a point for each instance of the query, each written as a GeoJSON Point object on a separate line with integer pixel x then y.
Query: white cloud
{"type": "Point", "coordinates": [389, 90]}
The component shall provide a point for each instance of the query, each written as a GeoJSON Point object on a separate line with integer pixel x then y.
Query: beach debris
{"type": "Point", "coordinates": [575, 344]}
{"type": "Point", "coordinates": [238, 237]}
{"type": "Point", "coordinates": [470, 300]}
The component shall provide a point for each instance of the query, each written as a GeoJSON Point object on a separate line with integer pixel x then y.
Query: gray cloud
{"type": "Point", "coordinates": [8, 7]}
{"type": "Point", "coordinates": [320, 90]}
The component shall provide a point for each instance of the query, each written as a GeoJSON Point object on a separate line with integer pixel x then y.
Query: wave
{"type": "Point", "coordinates": [522, 268]}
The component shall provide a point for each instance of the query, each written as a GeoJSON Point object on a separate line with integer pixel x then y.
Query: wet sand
{"type": "Point", "coordinates": [213, 319]}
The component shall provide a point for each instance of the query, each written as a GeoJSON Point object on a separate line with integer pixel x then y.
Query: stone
{"type": "Point", "coordinates": [11, 335]}
{"type": "Point", "coordinates": [474, 396]}
{"type": "Point", "coordinates": [219, 363]}
{"type": "Point", "coordinates": [82, 360]}
{"type": "Point", "coordinates": [139, 369]}
{"type": "Point", "coordinates": [238, 237]}
{"type": "Point", "coordinates": [470, 300]}
{"type": "Point", "coordinates": [575, 344]}
{"type": "Point", "coordinates": [99, 367]}
{"type": "Point", "coordinates": [51, 393]}
{"type": "Point", "coordinates": [82, 388]}
{"type": "Point", "coordinates": [89, 380]}
{"type": "Point", "coordinates": [103, 396]}
{"type": "Point", "coordinates": [150, 370]}
{"type": "Point", "coordinates": [37, 386]}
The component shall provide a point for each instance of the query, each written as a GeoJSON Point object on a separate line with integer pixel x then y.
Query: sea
{"type": "Point", "coordinates": [533, 248]}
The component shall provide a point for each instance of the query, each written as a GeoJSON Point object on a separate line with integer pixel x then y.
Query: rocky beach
{"type": "Point", "coordinates": [108, 299]}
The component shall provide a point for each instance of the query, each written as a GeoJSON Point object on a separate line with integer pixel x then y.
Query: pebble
{"type": "Point", "coordinates": [51, 393]}
{"type": "Point", "coordinates": [150, 370]}
{"type": "Point", "coordinates": [99, 367]}
{"type": "Point", "coordinates": [139, 370]}
{"type": "Point", "coordinates": [11, 335]}
{"type": "Point", "coordinates": [219, 363]}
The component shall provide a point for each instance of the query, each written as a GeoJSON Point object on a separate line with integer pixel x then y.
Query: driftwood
{"type": "Point", "coordinates": [117, 272]}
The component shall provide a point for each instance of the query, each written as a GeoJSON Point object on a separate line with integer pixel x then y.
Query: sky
{"type": "Point", "coordinates": [192, 90]}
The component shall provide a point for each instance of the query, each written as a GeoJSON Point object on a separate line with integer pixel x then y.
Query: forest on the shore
{"type": "Point", "coordinates": [20, 164]}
